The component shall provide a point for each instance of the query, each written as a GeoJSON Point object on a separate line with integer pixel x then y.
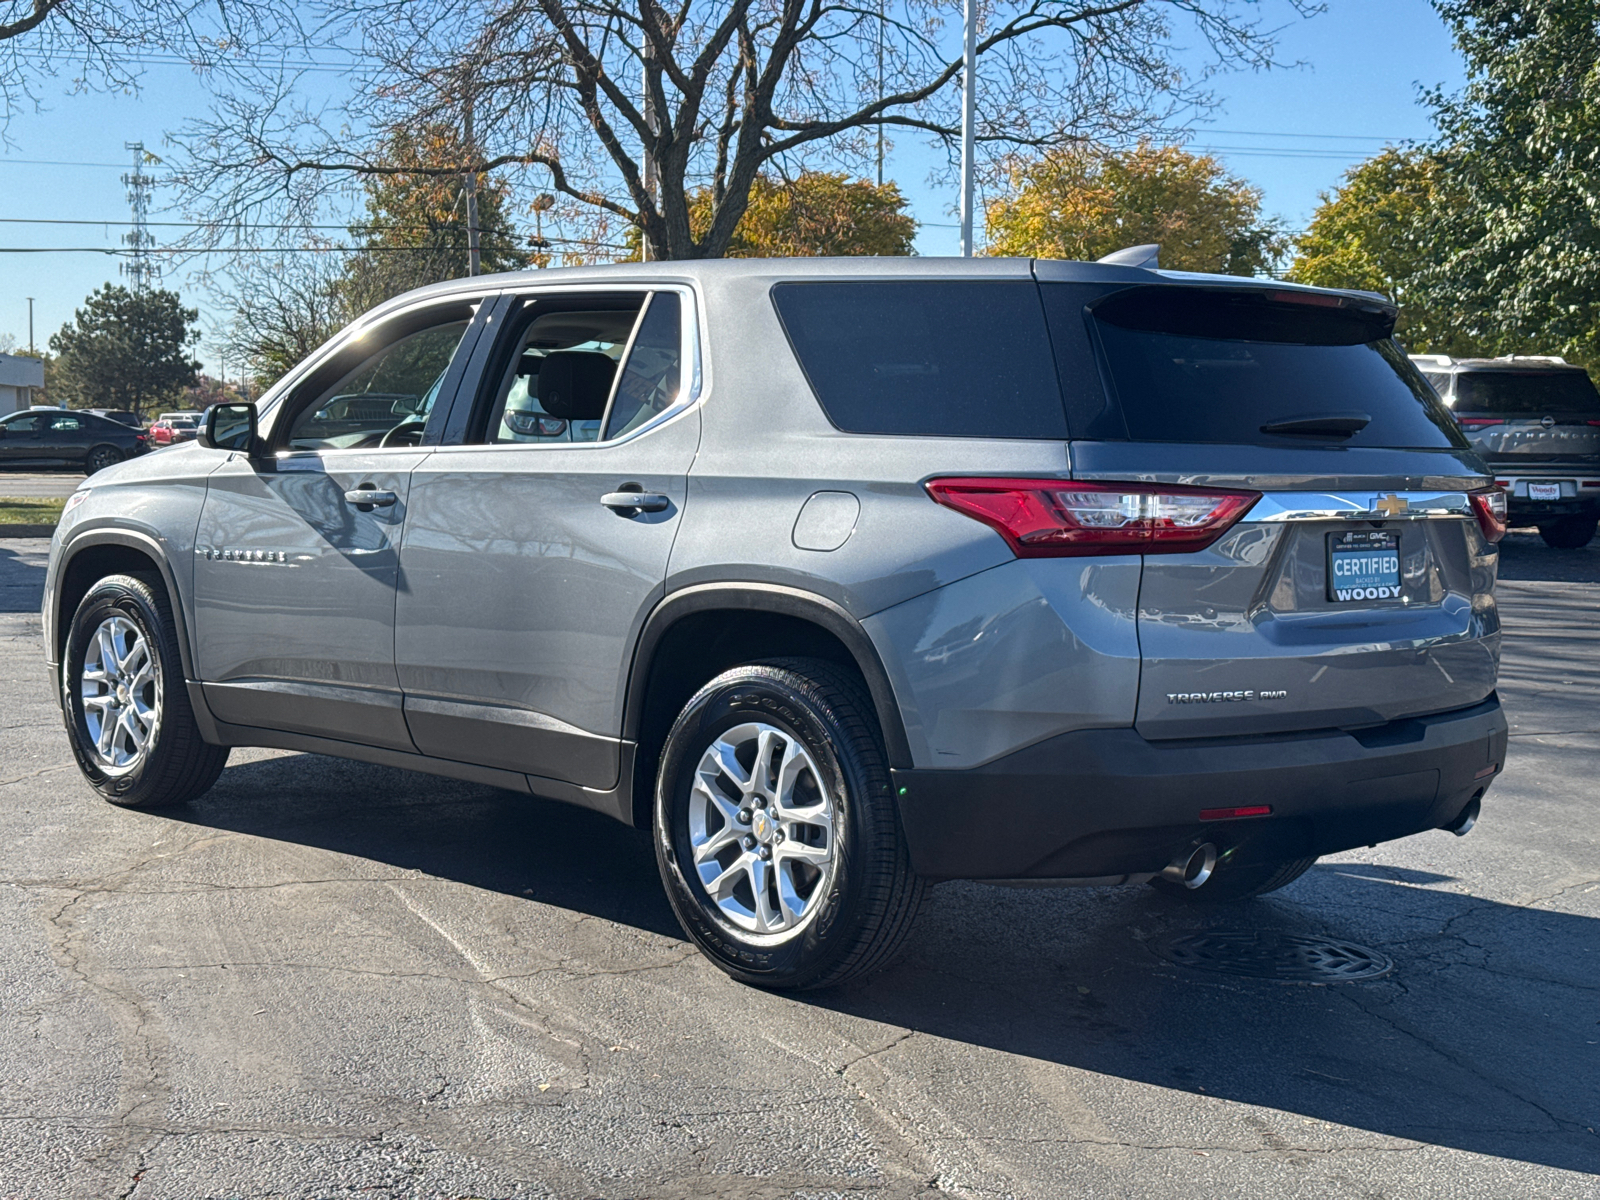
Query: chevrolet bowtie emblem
{"type": "Point", "coordinates": [1391, 505]}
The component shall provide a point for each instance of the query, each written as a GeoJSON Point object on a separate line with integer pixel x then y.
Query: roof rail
{"type": "Point", "coordinates": [1550, 358]}
{"type": "Point", "coordinates": [1134, 256]}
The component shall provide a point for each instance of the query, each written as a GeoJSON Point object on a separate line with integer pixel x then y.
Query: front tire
{"type": "Point", "coordinates": [100, 458]}
{"type": "Point", "coordinates": [1572, 532]}
{"type": "Point", "coordinates": [123, 697]}
{"type": "Point", "coordinates": [776, 830]}
{"type": "Point", "coordinates": [1229, 882]}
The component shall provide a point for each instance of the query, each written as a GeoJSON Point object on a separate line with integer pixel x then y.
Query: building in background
{"type": "Point", "coordinates": [20, 379]}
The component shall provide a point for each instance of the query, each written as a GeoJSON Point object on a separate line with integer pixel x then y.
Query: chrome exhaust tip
{"type": "Point", "coordinates": [1467, 818]}
{"type": "Point", "coordinates": [1193, 867]}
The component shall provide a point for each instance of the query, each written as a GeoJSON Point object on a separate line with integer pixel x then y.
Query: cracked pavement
{"type": "Point", "coordinates": [326, 978]}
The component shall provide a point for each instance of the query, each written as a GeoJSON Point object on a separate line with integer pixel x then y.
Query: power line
{"type": "Point", "coordinates": [183, 253]}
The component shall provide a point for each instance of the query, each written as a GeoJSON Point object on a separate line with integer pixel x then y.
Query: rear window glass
{"type": "Point", "coordinates": [1193, 365]}
{"type": "Point", "coordinates": [936, 359]}
{"type": "Point", "coordinates": [1533, 393]}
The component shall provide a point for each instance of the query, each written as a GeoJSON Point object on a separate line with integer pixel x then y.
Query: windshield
{"type": "Point", "coordinates": [1531, 393]}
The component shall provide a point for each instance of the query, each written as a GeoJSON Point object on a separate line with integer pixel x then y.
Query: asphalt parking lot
{"type": "Point", "coordinates": [330, 979]}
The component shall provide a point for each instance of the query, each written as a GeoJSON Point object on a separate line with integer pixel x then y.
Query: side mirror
{"type": "Point", "coordinates": [231, 427]}
{"type": "Point", "coordinates": [4, 432]}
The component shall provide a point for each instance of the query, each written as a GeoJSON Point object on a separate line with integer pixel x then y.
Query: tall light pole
{"type": "Point", "coordinates": [969, 92]}
{"type": "Point", "coordinates": [883, 15]}
{"type": "Point", "coordinates": [474, 256]}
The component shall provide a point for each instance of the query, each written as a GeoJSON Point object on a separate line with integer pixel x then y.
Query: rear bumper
{"type": "Point", "coordinates": [1106, 802]}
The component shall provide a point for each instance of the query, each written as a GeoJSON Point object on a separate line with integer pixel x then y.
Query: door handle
{"type": "Point", "coordinates": [629, 503]}
{"type": "Point", "coordinates": [368, 498]}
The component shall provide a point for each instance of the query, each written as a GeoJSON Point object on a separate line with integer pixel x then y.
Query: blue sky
{"type": "Point", "coordinates": [1291, 132]}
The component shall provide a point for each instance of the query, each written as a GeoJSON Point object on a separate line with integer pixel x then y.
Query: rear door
{"type": "Point", "coordinates": [1358, 589]}
{"type": "Point", "coordinates": [527, 572]}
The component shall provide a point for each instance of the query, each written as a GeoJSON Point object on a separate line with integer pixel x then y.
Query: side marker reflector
{"type": "Point", "coordinates": [1228, 814]}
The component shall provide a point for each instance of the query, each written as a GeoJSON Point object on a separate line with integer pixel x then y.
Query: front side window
{"type": "Point", "coordinates": [384, 399]}
{"type": "Point", "coordinates": [22, 424]}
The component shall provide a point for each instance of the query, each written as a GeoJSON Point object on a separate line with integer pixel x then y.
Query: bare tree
{"type": "Point", "coordinates": [628, 108]}
{"type": "Point", "coordinates": [107, 43]}
{"type": "Point", "coordinates": [282, 310]}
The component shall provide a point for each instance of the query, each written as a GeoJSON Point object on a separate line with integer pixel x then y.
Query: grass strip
{"type": "Point", "coordinates": [29, 511]}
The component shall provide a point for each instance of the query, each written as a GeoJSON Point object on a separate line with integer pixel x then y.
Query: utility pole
{"type": "Point", "coordinates": [883, 15]}
{"type": "Point", "coordinates": [474, 258]}
{"type": "Point", "coordinates": [31, 352]}
{"type": "Point", "coordinates": [969, 93]}
{"type": "Point", "coordinates": [140, 267]}
{"type": "Point", "coordinates": [542, 203]}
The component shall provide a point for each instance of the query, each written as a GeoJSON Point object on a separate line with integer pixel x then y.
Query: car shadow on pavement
{"type": "Point", "coordinates": [1483, 1038]}
{"type": "Point", "coordinates": [485, 837]}
{"type": "Point", "coordinates": [21, 577]}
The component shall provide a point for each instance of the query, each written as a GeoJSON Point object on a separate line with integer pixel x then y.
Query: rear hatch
{"type": "Point", "coordinates": [1530, 417]}
{"type": "Point", "coordinates": [1358, 589]}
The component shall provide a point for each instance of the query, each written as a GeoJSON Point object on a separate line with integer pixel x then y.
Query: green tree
{"type": "Point", "coordinates": [415, 231]}
{"type": "Point", "coordinates": [816, 214]}
{"type": "Point", "coordinates": [1084, 202]}
{"type": "Point", "coordinates": [125, 349]}
{"type": "Point", "coordinates": [1371, 233]}
{"type": "Point", "coordinates": [1518, 261]}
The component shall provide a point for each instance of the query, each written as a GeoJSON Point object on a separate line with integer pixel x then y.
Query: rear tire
{"type": "Point", "coordinates": [1230, 883]}
{"type": "Point", "coordinates": [100, 458]}
{"type": "Point", "coordinates": [776, 830]}
{"type": "Point", "coordinates": [123, 697]}
{"type": "Point", "coordinates": [1572, 532]}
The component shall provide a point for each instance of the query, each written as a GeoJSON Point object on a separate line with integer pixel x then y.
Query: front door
{"type": "Point", "coordinates": [526, 572]}
{"type": "Point", "coordinates": [297, 553]}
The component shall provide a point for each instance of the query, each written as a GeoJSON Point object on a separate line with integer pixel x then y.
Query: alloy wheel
{"type": "Point", "coordinates": [762, 828]}
{"type": "Point", "coordinates": [120, 688]}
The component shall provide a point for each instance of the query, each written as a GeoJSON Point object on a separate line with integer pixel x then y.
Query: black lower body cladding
{"type": "Point", "coordinates": [1107, 802]}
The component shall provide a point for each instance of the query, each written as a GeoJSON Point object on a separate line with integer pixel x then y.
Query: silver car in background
{"type": "Point", "coordinates": [841, 577]}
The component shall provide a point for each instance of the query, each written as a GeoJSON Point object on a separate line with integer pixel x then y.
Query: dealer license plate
{"type": "Point", "coordinates": [1363, 565]}
{"type": "Point", "coordinates": [1544, 491]}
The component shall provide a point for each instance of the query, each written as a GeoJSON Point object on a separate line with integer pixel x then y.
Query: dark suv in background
{"type": "Point", "coordinates": [1536, 422]}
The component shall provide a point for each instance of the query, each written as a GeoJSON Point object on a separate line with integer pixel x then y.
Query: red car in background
{"type": "Point", "coordinates": [175, 427]}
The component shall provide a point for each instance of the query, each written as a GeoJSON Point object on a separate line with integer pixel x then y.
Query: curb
{"type": "Point", "coordinates": [27, 531]}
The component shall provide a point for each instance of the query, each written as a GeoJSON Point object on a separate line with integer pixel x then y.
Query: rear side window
{"type": "Point", "coordinates": [939, 359]}
{"type": "Point", "coordinates": [1197, 365]}
{"type": "Point", "coordinates": [1528, 393]}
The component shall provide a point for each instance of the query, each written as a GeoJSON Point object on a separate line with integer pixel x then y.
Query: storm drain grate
{"type": "Point", "coordinates": [1286, 957]}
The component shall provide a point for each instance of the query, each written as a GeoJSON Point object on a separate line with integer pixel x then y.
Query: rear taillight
{"type": "Point", "coordinates": [1489, 507]}
{"type": "Point", "coordinates": [1478, 422]}
{"type": "Point", "coordinates": [1049, 518]}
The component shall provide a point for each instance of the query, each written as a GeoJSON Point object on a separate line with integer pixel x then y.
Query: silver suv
{"type": "Point", "coordinates": [842, 577]}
